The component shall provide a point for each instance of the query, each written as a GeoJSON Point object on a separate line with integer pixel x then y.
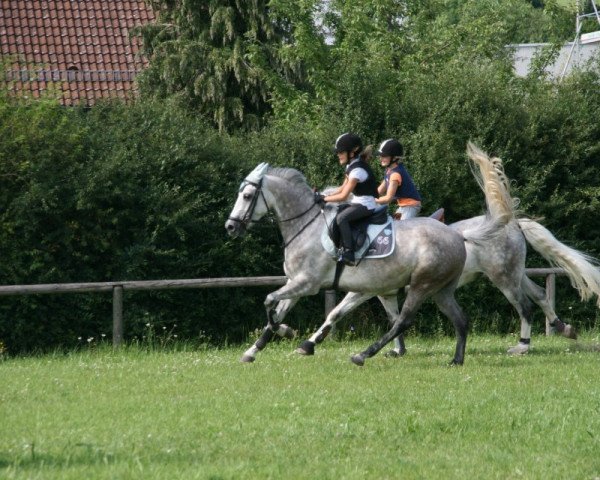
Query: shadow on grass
{"type": "Point", "coordinates": [91, 455]}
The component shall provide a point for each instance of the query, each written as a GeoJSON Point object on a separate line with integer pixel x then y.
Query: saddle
{"type": "Point", "coordinates": [372, 237]}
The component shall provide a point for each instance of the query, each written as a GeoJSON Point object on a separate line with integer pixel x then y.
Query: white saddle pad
{"type": "Point", "coordinates": [380, 242]}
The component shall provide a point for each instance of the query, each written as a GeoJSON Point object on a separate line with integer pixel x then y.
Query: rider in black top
{"type": "Point", "coordinates": [361, 182]}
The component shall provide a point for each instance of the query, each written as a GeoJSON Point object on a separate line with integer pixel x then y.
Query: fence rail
{"type": "Point", "coordinates": [118, 288]}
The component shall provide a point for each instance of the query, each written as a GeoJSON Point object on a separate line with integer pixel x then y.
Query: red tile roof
{"type": "Point", "coordinates": [79, 48]}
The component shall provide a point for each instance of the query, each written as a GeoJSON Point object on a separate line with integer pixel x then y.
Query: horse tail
{"type": "Point", "coordinates": [581, 268]}
{"type": "Point", "coordinates": [495, 185]}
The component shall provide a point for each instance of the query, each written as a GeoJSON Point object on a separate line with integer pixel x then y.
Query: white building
{"type": "Point", "coordinates": [571, 56]}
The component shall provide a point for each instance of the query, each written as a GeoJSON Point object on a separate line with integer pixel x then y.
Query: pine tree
{"type": "Point", "coordinates": [221, 57]}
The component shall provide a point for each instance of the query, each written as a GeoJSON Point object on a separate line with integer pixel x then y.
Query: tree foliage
{"type": "Point", "coordinates": [225, 59]}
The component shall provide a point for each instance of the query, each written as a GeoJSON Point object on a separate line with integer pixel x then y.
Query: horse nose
{"type": "Point", "coordinates": [230, 227]}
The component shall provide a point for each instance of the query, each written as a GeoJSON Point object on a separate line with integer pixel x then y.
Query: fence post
{"type": "Point", "coordinates": [117, 315]}
{"type": "Point", "coordinates": [550, 295]}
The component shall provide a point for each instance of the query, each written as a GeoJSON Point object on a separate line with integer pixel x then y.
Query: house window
{"type": "Point", "coordinates": [72, 73]}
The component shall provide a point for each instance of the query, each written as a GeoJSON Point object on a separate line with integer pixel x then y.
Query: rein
{"type": "Point", "coordinates": [304, 227]}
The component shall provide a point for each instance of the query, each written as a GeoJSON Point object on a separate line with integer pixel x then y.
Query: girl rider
{"type": "Point", "coordinates": [361, 182]}
{"type": "Point", "coordinates": [397, 184]}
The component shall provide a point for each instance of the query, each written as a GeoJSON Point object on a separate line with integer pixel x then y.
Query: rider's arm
{"type": "Point", "coordinates": [381, 188]}
{"type": "Point", "coordinates": [340, 188]}
{"type": "Point", "coordinates": [389, 195]}
{"type": "Point", "coordinates": [343, 192]}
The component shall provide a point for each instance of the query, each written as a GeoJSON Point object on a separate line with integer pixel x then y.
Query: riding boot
{"type": "Point", "coordinates": [347, 256]}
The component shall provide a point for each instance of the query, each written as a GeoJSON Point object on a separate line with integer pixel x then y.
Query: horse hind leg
{"type": "Point", "coordinates": [401, 323]}
{"type": "Point", "coordinates": [448, 305]}
{"type": "Point", "coordinates": [524, 308]}
{"type": "Point", "coordinates": [390, 304]}
{"type": "Point", "coordinates": [538, 295]}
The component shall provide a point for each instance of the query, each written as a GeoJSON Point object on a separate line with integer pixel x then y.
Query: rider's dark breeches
{"type": "Point", "coordinates": [350, 214]}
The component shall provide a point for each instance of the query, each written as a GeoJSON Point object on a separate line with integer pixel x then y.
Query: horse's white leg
{"type": "Point", "coordinates": [283, 307]}
{"type": "Point", "coordinates": [290, 292]}
{"type": "Point", "coordinates": [349, 303]}
{"type": "Point", "coordinates": [538, 295]}
{"type": "Point", "coordinates": [390, 304]}
{"type": "Point", "coordinates": [524, 307]}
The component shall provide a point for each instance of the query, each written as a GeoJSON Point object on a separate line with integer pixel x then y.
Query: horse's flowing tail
{"type": "Point", "coordinates": [495, 185]}
{"type": "Point", "coordinates": [581, 268]}
{"type": "Point", "coordinates": [501, 207]}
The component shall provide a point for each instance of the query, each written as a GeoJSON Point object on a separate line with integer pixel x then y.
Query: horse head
{"type": "Point", "coordinates": [250, 205]}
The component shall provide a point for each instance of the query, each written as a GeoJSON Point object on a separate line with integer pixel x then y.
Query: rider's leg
{"type": "Point", "coordinates": [352, 213]}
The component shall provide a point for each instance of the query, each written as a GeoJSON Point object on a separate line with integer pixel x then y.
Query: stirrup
{"type": "Point", "coordinates": [347, 257]}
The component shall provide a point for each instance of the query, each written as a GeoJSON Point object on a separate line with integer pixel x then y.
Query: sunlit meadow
{"type": "Point", "coordinates": [197, 413]}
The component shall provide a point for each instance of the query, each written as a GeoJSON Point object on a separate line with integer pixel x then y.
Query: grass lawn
{"type": "Point", "coordinates": [202, 414]}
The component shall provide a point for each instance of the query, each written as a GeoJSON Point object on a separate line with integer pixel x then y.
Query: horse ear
{"type": "Point", "coordinates": [258, 173]}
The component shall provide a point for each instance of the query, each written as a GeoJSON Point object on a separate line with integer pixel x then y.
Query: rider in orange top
{"type": "Point", "coordinates": [397, 184]}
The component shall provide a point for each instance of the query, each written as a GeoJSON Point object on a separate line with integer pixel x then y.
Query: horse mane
{"type": "Point", "coordinates": [291, 175]}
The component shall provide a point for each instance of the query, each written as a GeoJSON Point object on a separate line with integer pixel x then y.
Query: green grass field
{"type": "Point", "coordinates": [202, 414]}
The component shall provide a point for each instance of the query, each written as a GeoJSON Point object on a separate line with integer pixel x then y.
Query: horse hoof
{"type": "Point", "coordinates": [247, 359]}
{"type": "Point", "coordinates": [357, 359]}
{"type": "Point", "coordinates": [456, 363]}
{"type": "Point", "coordinates": [570, 332]}
{"type": "Point", "coordinates": [394, 354]}
{"type": "Point", "coordinates": [306, 348]}
{"type": "Point", "coordinates": [519, 349]}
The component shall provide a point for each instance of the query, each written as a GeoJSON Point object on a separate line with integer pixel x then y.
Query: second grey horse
{"type": "Point", "coordinates": [502, 260]}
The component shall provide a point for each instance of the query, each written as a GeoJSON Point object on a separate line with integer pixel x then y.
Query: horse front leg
{"type": "Point", "coordinates": [349, 303]}
{"type": "Point", "coordinates": [277, 305]}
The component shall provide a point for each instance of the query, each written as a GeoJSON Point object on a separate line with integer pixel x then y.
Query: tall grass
{"type": "Point", "coordinates": [152, 414]}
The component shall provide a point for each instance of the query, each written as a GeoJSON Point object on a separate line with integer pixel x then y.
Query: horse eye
{"type": "Point", "coordinates": [247, 196]}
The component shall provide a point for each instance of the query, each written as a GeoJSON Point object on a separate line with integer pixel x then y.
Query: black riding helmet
{"type": "Point", "coordinates": [348, 142]}
{"type": "Point", "coordinates": [390, 148]}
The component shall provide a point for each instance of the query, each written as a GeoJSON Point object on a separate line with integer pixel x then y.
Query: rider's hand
{"type": "Point", "coordinates": [319, 199]}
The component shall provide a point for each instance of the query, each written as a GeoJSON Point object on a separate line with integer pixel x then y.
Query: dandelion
{"type": "Point", "coordinates": [148, 324]}
{"type": "Point", "coordinates": [79, 338]}
{"type": "Point", "coordinates": [103, 335]}
{"type": "Point", "coordinates": [90, 339]}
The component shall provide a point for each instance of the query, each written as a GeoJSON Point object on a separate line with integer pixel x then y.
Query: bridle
{"type": "Point", "coordinates": [246, 219]}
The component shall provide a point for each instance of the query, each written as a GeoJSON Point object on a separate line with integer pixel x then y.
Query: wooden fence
{"type": "Point", "coordinates": [118, 288]}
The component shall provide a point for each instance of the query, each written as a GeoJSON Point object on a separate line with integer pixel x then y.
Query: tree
{"type": "Point", "coordinates": [225, 59]}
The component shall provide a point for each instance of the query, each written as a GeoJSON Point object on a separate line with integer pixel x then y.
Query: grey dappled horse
{"type": "Point", "coordinates": [429, 258]}
{"type": "Point", "coordinates": [502, 260]}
